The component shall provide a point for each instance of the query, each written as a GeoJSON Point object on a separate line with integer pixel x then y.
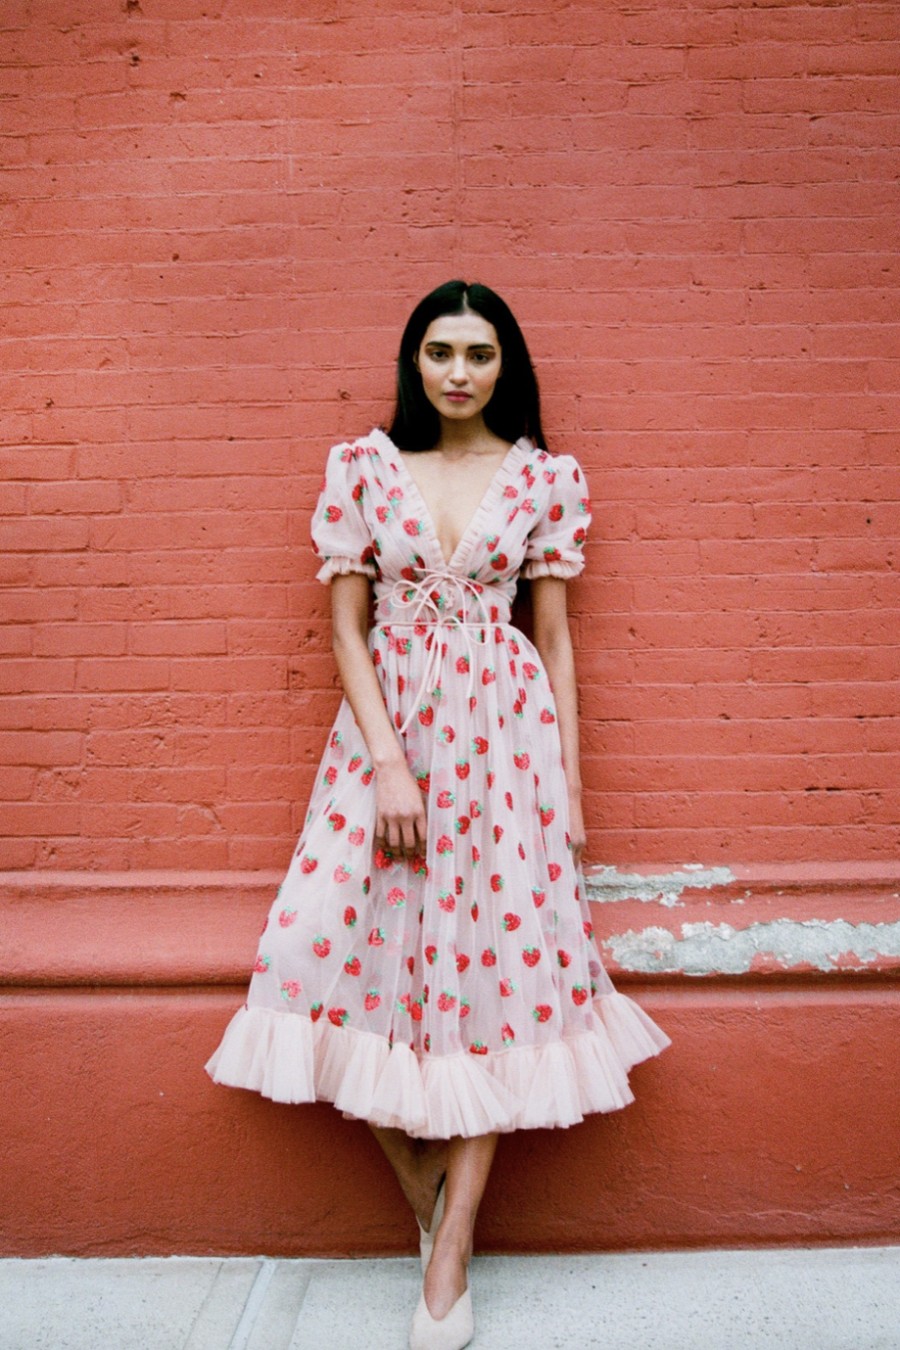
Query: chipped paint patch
{"type": "Point", "coordinates": [720, 949]}
{"type": "Point", "coordinates": [608, 884]}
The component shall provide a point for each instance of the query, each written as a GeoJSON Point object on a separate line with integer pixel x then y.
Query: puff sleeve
{"type": "Point", "coordinates": [340, 535]}
{"type": "Point", "coordinates": [555, 542]}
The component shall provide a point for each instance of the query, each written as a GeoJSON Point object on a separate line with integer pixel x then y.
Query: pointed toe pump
{"type": "Point", "coordinates": [452, 1332]}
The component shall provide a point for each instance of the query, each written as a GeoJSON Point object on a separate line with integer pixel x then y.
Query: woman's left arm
{"type": "Point", "coordinates": [554, 642]}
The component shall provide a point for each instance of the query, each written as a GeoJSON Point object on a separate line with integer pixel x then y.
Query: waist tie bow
{"type": "Point", "coordinates": [424, 603]}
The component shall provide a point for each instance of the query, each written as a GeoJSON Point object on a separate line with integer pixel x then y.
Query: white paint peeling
{"type": "Point", "coordinates": [608, 884]}
{"type": "Point", "coordinates": [720, 949]}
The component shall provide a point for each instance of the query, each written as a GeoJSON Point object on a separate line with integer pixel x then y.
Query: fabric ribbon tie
{"type": "Point", "coordinates": [426, 603]}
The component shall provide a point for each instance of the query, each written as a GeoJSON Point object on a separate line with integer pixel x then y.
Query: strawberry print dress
{"type": "Point", "coordinates": [460, 992]}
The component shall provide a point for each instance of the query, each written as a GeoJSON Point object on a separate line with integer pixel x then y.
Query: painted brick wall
{"type": "Point", "coordinates": [216, 215]}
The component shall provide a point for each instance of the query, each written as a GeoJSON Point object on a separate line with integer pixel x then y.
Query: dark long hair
{"type": "Point", "coordinates": [514, 409]}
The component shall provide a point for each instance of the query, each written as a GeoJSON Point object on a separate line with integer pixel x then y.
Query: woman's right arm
{"type": "Point", "coordinates": [400, 818]}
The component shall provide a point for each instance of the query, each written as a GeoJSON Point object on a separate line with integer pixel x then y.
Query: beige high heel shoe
{"type": "Point", "coordinates": [452, 1332]}
{"type": "Point", "coordinates": [426, 1235]}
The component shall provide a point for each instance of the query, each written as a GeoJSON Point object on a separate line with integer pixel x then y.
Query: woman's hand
{"type": "Point", "coordinates": [577, 836]}
{"type": "Point", "coordinates": [400, 812]}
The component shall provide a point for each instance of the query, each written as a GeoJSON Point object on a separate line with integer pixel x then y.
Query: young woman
{"type": "Point", "coordinates": [429, 964]}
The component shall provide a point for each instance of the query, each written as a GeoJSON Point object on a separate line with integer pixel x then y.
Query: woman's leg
{"type": "Point", "coordinates": [468, 1167]}
{"type": "Point", "coordinates": [419, 1165]}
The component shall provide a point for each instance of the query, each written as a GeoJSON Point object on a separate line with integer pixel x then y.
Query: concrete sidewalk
{"type": "Point", "coordinates": [811, 1299]}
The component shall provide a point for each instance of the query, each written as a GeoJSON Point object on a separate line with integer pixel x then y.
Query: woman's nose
{"type": "Point", "coordinates": [458, 370]}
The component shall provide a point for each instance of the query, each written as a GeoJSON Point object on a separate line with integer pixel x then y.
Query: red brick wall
{"type": "Point", "coordinates": [216, 219]}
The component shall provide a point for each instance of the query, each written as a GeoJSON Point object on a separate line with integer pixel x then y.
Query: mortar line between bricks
{"type": "Point", "coordinates": [456, 105]}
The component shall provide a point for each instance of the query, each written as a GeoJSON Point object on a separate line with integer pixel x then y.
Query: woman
{"type": "Point", "coordinates": [429, 964]}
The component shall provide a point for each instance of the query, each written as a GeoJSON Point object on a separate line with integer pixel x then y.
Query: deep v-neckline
{"type": "Point", "coordinates": [484, 506]}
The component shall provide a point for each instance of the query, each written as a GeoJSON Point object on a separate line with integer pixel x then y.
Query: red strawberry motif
{"type": "Point", "coordinates": [396, 897]}
{"type": "Point", "coordinates": [464, 1009]}
{"type": "Point", "coordinates": [551, 554]}
{"type": "Point", "coordinates": [412, 527]}
{"type": "Point", "coordinates": [478, 1048]}
{"type": "Point", "coordinates": [372, 1000]}
{"type": "Point", "coordinates": [424, 782]}
{"type": "Point", "coordinates": [262, 965]}
{"type": "Point", "coordinates": [547, 814]}
{"type": "Point", "coordinates": [287, 917]}
{"type": "Point", "coordinates": [354, 763]}
{"type": "Point", "coordinates": [579, 995]}
{"type": "Point", "coordinates": [308, 864]}
{"type": "Point", "coordinates": [330, 775]}
{"type": "Point", "coordinates": [336, 820]}
{"type": "Point", "coordinates": [490, 778]}
{"type": "Point", "coordinates": [498, 833]}
{"type": "Point", "coordinates": [588, 929]}
{"type": "Point", "coordinates": [404, 1003]}
{"type": "Point", "coordinates": [349, 917]}
{"type": "Point", "coordinates": [336, 738]}
{"type": "Point", "coordinates": [356, 835]}
{"type": "Point", "coordinates": [557, 511]}
{"type": "Point", "coordinates": [531, 956]}
{"type": "Point", "coordinates": [579, 536]}
{"type": "Point", "coordinates": [444, 844]}
{"type": "Point", "coordinates": [462, 768]}
{"type": "Point", "coordinates": [474, 911]}
{"type": "Point", "coordinates": [321, 946]}
{"type": "Point", "coordinates": [462, 665]}
{"type": "Point", "coordinates": [499, 561]}
{"type": "Point", "coordinates": [496, 882]}
{"type": "Point", "coordinates": [488, 957]}
{"type": "Point", "coordinates": [376, 937]}
{"type": "Point", "coordinates": [426, 714]}
{"type": "Point", "coordinates": [431, 954]}
{"type": "Point", "coordinates": [383, 513]}
{"type": "Point", "coordinates": [521, 759]}
{"type": "Point", "coordinates": [382, 859]}
{"type": "Point", "coordinates": [542, 1012]}
{"type": "Point", "coordinates": [563, 958]}
{"type": "Point", "coordinates": [447, 735]}
{"type": "Point", "coordinates": [530, 670]}
{"type": "Point", "coordinates": [446, 1001]}
{"type": "Point", "coordinates": [462, 962]}
{"type": "Point", "coordinates": [445, 798]}
{"type": "Point", "coordinates": [341, 873]}
{"type": "Point", "coordinates": [415, 1010]}
{"type": "Point", "coordinates": [554, 871]}
{"type": "Point", "coordinates": [462, 824]}
{"type": "Point", "coordinates": [447, 902]}
{"type": "Point", "coordinates": [508, 798]}
{"type": "Point", "coordinates": [511, 921]}
{"type": "Point", "coordinates": [507, 1034]}
{"type": "Point", "coordinates": [480, 745]}
{"type": "Point", "coordinates": [315, 1011]}
{"type": "Point", "coordinates": [507, 987]}
{"type": "Point", "coordinates": [367, 777]}
{"type": "Point", "coordinates": [352, 965]}
{"type": "Point", "coordinates": [458, 885]}
{"type": "Point", "coordinates": [488, 675]}
{"type": "Point", "coordinates": [338, 1016]}
{"type": "Point", "coordinates": [333, 514]}
{"type": "Point", "coordinates": [475, 809]}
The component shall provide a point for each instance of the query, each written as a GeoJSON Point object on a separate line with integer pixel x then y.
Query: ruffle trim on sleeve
{"type": "Point", "coordinates": [341, 567]}
{"type": "Point", "coordinates": [288, 1058]}
{"type": "Point", "coordinates": [560, 568]}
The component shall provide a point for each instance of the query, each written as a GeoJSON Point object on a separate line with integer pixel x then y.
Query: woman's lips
{"type": "Point", "coordinates": [456, 396]}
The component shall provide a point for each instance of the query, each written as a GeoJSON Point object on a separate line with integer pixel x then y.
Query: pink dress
{"type": "Point", "coordinates": [462, 992]}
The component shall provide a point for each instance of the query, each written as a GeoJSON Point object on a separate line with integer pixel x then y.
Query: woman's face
{"type": "Point", "coordinates": [459, 360]}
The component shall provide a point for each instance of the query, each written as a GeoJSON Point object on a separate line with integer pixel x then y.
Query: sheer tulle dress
{"type": "Point", "coordinates": [461, 992]}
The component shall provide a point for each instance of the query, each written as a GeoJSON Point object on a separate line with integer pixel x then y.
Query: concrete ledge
{"type": "Point", "coordinates": [772, 1119]}
{"type": "Point", "coordinates": [186, 929]}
